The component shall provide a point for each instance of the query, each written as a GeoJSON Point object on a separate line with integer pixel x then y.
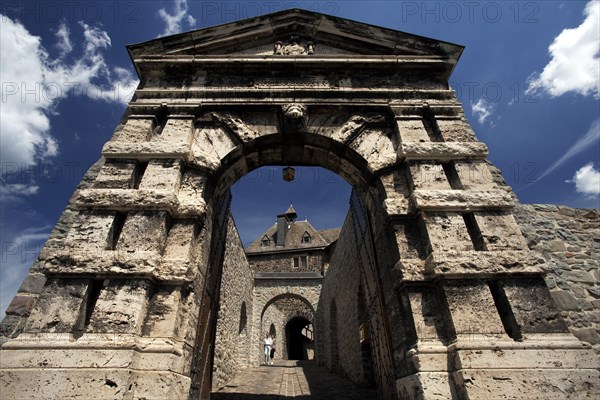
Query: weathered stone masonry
{"type": "Point", "coordinates": [569, 239]}
{"type": "Point", "coordinates": [123, 300]}
{"type": "Point", "coordinates": [233, 337]}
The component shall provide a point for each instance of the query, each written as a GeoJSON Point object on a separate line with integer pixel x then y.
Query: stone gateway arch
{"type": "Point", "coordinates": [123, 299]}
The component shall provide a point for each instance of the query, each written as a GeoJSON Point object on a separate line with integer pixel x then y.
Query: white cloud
{"type": "Point", "coordinates": [590, 138]}
{"type": "Point", "coordinates": [63, 35]}
{"type": "Point", "coordinates": [587, 180]}
{"type": "Point", "coordinates": [33, 84]}
{"type": "Point", "coordinates": [482, 110]}
{"type": "Point", "coordinates": [10, 191]}
{"type": "Point", "coordinates": [174, 20]}
{"type": "Point", "coordinates": [575, 59]}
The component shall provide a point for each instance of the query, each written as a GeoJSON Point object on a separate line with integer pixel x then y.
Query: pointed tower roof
{"type": "Point", "coordinates": [291, 213]}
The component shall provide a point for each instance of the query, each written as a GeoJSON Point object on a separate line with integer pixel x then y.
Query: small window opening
{"type": "Point", "coordinates": [265, 241]}
{"type": "Point", "coordinates": [306, 238]}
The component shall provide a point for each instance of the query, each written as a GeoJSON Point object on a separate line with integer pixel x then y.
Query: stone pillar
{"type": "Point", "coordinates": [480, 319]}
{"type": "Point", "coordinates": [111, 306]}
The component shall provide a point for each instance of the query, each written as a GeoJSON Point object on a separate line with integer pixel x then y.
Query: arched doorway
{"type": "Point", "coordinates": [300, 339]}
{"type": "Point", "coordinates": [276, 316]}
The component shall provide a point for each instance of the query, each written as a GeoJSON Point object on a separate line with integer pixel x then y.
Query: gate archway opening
{"type": "Point", "coordinates": [308, 149]}
{"type": "Point", "coordinates": [300, 339]}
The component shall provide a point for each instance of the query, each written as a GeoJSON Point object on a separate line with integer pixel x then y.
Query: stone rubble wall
{"type": "Point", "coordinates": [341, 286]}
{"type": "Point", "coordinates": [284, 262]}
{"type": "Point", "coordinates": [232, 342]}
{"type": "Point", "coordinates": [273, 316]}
{"type": "Point", "coordinates": [279, 313]}
{"type": "Point", "coordinates": [268, 293]}
{"type": "Point", "coordinates": [569, 240]}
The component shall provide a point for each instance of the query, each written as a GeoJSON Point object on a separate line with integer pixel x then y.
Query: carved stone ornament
{"type": "Point", "coordinates": [295, 115]}
{"type": "Point", "coordinates": [294, 46]}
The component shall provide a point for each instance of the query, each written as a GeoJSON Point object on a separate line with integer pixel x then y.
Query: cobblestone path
{"type": "Point", "coordinates": [291, 380]}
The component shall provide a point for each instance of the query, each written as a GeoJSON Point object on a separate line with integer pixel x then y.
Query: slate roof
{"type": "Point", "coordinates": [293, 238]}
{"type": "Point", "coordinates": [331, 235]}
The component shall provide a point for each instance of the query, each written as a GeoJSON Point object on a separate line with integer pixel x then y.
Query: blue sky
{"type": "Point", "coordinates": [528, 80]}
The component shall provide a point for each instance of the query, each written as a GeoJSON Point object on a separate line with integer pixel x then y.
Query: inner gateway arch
{"type": "Point", "coordinates": [123, 299]}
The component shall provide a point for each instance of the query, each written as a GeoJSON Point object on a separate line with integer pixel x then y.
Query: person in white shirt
{"type": "Point", "coordinates": [268, 343]}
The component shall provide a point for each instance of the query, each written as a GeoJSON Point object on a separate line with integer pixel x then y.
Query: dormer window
{"type": "Point", "coordinates": [306, 238]}
{"type": "Point", "coordinates": [265, 242]}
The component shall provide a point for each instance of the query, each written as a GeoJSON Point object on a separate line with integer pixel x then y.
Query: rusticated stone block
{"type": "Point", "coordinates": [412, 130]}
{"type": "Point", "coordinates": [499, 230]}
{"type": "Point", "coordinates": [121, 307]}
{"type": "Point", "coordinates": [163, 175]}
{"type": "Point", "coordinates": [428, 176]}
{"type": "Point", "coordinates": [144, 231]}
{"type": "Point", "coordinates": [180, 240]}
{"type": "Point", "coordinates": [192, 187]}
{"type": "Point", "coordinates": [461, 200]}
{"type": "Point", "coordinates": [248, 126]}
{"type": "Point", "coordinates": [447, 232]}
{"type": "Point", "coordinates": [397, 192]}
{"type": "Point", "coordinates": [377, 146]}
{"type": "Point", "coordinates": [532, 306]}
{"type": "Point", "coordinates": [60, 307]}
{"type": "Point", "coordinates": [426, 314]}
{"type": "Point", "coordinates": [135, 130]}
{"type": "Point", "coordinates": [177, 130]}
{"type": "Point", "coordinates": [472, 308]}
{"type": "Point", "coordinates": [442, 151]}
{"type": "Point", "coordinates": [116, 175]}
{"type": "Point", "coordinates": [91, 230]}
{"type": "Point", "coordinates": [210, 145]}
{"type": "Point", "coordinates": [475, 175]}
{"type": "Point", "coordinates": [408, 236]}
{"type": "Point", "coordinates": [456, 130]}
{"type": "Point", "coordinates": [163, 310]}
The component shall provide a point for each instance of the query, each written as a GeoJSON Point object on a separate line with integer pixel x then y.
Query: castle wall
{"type": "Point", "coordinates": [341, 351]}
{"type": "Point", "coordinates": [235, 305]}
{"type": "Point", "coordinates": [569, 240]}
{"type": "Point", "coordinates": [270, 293]}
{"type": "Point", "coordinates": [284, 262]}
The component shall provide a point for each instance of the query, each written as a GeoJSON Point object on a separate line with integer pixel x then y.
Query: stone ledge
{"type": "Point", "coordinates": [104, 341]}
{"type": "Point", "coordinates": [548, 384]}
{"type": "Point", "coordinates": [481, 264]}
{"type": "Point", "coordinates": [461, 200]}
{"type": "Point", "coordinates": [107, 263]}
{"type": "Point", "coordinates": [442, 151]}
{"type": "Point", "coordinates": [137, 200]}
{"type": "Point", "coordinates": [94, 351]}
{"type": "Point", "coordinates": [146, 150]}
{"type": "Point", "coordinates": [96, 383]}
{"type": "Point", "coordinates": [288, 275]}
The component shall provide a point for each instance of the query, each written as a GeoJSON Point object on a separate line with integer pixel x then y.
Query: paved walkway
{"type": "Point", "coordinates": [291, 379]}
